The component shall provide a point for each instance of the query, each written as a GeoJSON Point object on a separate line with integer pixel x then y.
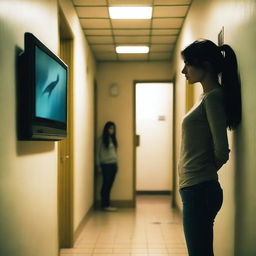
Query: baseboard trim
{"type": "Point", "coordinates": [151, 192]}
{"type": "Point", "coordinates": [117, 203]}
{"type": "Point", "coordinates": [83, 223]}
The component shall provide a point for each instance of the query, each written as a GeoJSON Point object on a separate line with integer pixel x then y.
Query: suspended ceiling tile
{"type": "Point", "coordinates": [95, 23]}
{"type": "Point", "coordinates": [92, 32]}
{"type": "Point", "coordinates": [100, 39]}
{"type": "Point", "coordinates": [90, 2]}
{"type": "Point", "coordinates": [161, 47]}
{"type": "Point", "coordinates": [92, 12]}
{"type": "Point", "coordinates": [131, 24]}
{"type": "Point", "coordinates": [103, 47]}
{"type": "Point", "coordinates": [100, 30]}
{"type": "Point", "coordinates": [129, 57]}
{"type": "Point", "coordinates": [130, 2]}
{"type": "Point", "coordinates": [132, 39]}
{"type": "Point", "coordinates": [171, 2]}
{"type": "Point", "coordinates": [132, 32]}
{"type": "Point", "coordinates": [160, 56]}
{"type": "Point", "coordinates": [165, 31]}
{"type": "Point", "coordinates": [106, 56]}
{"type": "Point", "coordinates": [170, 11]}
{"type": "Point", "coordinates": [163, 39]}
{"type": "Point", "coordinates": [167, 23]}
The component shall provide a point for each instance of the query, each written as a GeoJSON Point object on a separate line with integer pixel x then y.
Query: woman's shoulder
{"type": "Point", "coordinates": [214, 101]}
{"type": "Point", "coordinates": [214, 95]}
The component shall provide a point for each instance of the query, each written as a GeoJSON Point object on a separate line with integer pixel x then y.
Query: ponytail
{"type": "Point", "coordinates": [230, 82]}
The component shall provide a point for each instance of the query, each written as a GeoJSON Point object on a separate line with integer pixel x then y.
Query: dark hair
{"type": "Point", "coordinates": [106, 136]}
{"type": "Point", "coordinates": [224, 63]}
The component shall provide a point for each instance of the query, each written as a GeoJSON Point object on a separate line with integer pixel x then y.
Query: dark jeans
{"type": "Point", "coordinates": [108, 175]}
{"type": "Point", "coordinates": [201, 204]}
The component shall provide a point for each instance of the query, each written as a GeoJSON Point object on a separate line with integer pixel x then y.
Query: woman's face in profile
{"type": "Point", "coordinates": [111, 130]}
{"type": "Point", "coordinates": [192, 73]}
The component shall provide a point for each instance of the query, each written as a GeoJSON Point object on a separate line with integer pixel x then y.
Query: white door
{"type": "Point", "coordinates": [154, 126]}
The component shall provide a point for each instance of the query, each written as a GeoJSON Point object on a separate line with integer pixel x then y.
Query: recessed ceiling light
{"type": "Point", "coordinates": [122, 12]}
{"type": "Point", "coordinates": [132, 49]}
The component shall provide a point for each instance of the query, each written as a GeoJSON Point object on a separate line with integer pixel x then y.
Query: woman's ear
{"type": "Point", "coordinates": [207, 65]}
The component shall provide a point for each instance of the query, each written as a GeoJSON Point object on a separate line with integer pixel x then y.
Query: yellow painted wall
{"type": "Point", "coordinates": [28, 186]}
{"type": "Point", "coordinates": [120, 110]}
{"type": "Point", "coordinates": [84, 75]}
{"type": "Point", "coordinates": [28, 170]}
{"type": "Point", "coordinates": [235, 225]}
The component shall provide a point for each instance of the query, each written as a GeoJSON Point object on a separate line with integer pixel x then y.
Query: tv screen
{"type": "Point", "coordinates": [42, 93]}
{"type": "Point", "coordinates": [51, 79]}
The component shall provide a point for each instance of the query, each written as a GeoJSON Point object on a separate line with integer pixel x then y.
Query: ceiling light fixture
{"type": "Point", "coordinates": [141, 12]}
{"type": "Point", "coordinates": [132, 49]}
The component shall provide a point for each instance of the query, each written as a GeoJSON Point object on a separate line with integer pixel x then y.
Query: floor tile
{"type": "Point", "coordinates": [152, 229]}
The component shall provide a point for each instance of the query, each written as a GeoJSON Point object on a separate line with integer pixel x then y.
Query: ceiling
{"type": "Point", "coordinates": [160, 33]}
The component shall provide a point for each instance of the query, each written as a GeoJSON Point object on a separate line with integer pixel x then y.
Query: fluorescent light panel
{"type": "Point", "coordinates": [122, 12]}
{"type": "Point", "coordinates": [132, 49]}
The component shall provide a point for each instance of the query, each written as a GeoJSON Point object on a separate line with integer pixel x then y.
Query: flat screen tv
{"type": "Point", "coordinates": [42, 93]}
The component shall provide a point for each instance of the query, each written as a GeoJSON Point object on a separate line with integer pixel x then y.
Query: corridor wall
{"type": "Point", "coordinates": [84, 77]}
{"type": "Point", "coordinates": [28, 170]}
{"type": "Point", "coordinates": [234, 228]}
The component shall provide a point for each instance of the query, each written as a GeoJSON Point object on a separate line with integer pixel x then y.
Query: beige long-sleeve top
{"type": "Point", "coordinates": [105, 155]}
{"type": "Point", "coordinates": [204, 146]}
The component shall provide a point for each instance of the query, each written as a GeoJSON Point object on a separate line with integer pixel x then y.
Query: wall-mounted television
{"type": "Point", "coordinates": [42, 93]}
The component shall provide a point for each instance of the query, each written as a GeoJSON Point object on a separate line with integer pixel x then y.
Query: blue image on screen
{"type": "Point", "coordinates": [51, 80]}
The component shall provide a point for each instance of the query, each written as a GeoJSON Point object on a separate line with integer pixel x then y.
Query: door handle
{"type": "Point", "coordinates": [63, 158]}
{"type": "Point", "coordinates": [137, 140]}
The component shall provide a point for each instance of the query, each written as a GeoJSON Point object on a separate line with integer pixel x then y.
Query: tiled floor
{"type": "Point", "coordinates": [152, 229]}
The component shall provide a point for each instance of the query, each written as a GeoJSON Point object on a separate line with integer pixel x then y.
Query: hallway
{"type": "Point", "coordinates": [152, 229]}
{"type": "Point", "coordinates": [99, 91]}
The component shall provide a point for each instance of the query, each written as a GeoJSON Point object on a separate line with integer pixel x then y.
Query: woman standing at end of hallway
{"type": "Point", "coordinates": [107, 163]}
{"type": "Point", "coordinates": [204, 146]}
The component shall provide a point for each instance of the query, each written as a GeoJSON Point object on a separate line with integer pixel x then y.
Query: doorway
{"type": "Point", "coordinates": [154, 142]}
{"type": "Point", "coordinates": [65, 147]}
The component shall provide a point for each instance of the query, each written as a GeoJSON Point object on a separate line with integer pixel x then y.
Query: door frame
{"type": "Point", "coordinates": [135, 138]}
{"type": "Point", "coordinates": [95, 125]}
{"type": "Point", "coordinates": [65, 147]}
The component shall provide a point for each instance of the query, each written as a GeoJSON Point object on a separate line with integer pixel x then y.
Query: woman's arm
{"type": "Point", "coordinates": [98, 149]}
{"type": "Point", "coordinates": [216, 116]}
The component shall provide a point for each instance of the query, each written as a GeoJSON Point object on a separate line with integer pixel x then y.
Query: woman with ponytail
{"type": "Point", "coordinates": [204, 147]}
{"type": "Point", "coordinates": [107, 163]}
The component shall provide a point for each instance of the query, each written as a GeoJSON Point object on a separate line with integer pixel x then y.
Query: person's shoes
{"type": "Point", "coordinates": [110, 209]}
